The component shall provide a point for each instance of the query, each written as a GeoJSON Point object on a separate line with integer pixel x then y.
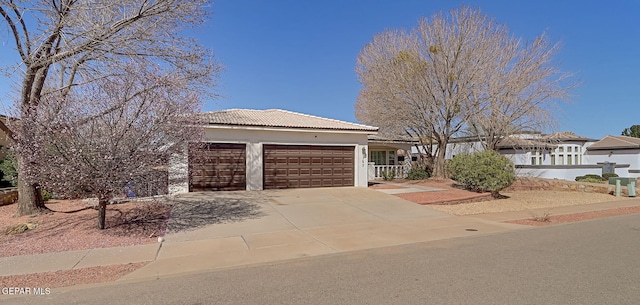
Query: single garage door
{"type": "Point", "coordinates": [300, 166]}
{"type": "Point", "coordinates": [217, 167]}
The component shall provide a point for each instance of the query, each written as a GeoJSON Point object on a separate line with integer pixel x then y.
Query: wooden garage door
{"type": "Point", "coordinates": [301, 166]}
{"type": "Point", "coordinates": [217, 167]}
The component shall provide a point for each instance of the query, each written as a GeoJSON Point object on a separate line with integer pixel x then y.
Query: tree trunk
{"type": "Point", "coordinates": [102, 213]}
{"type": "Point", "coordinates": [439, 168]}
{"type": "Point", "coordinates": [30, 200]}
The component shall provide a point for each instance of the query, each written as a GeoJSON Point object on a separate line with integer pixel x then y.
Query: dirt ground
{"type": "Point", "coordinates": [74, 226]}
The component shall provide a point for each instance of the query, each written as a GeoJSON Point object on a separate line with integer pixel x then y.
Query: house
{"type": "Point", "coordinates": [389, 155]}
{"type": "Point", "coordinates": [249, 149]}
{"type": "Point", "coordinates": [561, 155]}
{"type": "Point", "coordinates": [619, 152]}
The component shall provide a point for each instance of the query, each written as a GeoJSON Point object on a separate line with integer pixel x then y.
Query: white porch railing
{"type": "Point", "coordinates": [399, 171]}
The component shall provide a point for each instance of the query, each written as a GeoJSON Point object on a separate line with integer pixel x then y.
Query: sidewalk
{"type": "Point", "coordinates": [323, 222]}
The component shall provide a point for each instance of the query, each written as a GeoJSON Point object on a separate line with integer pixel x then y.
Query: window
{"type": "Point", "coordinates": [573, 155]}
{"type": "Point", "coordinates": [536, 158]}
{"type": "Point", "coordinates": [378, 157]}
{"type": "Point", "coordinates": [392, 158]}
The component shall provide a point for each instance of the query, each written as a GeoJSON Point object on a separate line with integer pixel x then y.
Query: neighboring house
{"type": "Point", "coordinates": [562, 155]}
{"type": "Point", "coordinates": [269, 149]}
{"type": "Point", "coordinates": [620, 152]}
{"type": "Point", "coordinates": [4, 139]}
{"type": "Point", "coordinates": [389, 155]}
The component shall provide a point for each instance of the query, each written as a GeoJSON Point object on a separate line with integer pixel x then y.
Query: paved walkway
{"type": "Point", "coordinates": [288, 224]}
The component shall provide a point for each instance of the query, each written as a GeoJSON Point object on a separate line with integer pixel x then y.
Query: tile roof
{"type": "Point", "coordinates": [509, 143]}
{"type": "Point", "coordinates": [280, 118]}
{"type": "Point", "coordinates": [392, 139]}
{"type": "Point", "coordinates": [616, 142]}
{"type": "Point", "coordinates": [565, 136]}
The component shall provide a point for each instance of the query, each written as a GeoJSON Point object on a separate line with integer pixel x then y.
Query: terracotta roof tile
{"type": "Point", "coordinates": [280, 118]}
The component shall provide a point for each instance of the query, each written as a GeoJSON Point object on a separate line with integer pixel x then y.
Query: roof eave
{"type": "Point", "coordinates": [299, 129]}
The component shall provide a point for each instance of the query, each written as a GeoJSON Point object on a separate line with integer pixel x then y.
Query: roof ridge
{"type": "Point", "coordinates": [318, 117]}
{"type": "Point", "coordinates": [281, 118]}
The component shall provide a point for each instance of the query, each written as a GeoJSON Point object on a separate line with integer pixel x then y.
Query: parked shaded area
{"type": "Point", "coordinates": [195, 210]}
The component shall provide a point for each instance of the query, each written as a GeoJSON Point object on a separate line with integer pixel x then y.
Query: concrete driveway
{"type": "Point", "coordinates": [225, 229]}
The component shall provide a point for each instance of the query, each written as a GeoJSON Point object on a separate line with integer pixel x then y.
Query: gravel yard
{"type": "Point", "coordinates": [526, 200]}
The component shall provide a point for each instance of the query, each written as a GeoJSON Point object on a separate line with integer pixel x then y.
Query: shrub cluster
{"type": "Point", "coordinates": [389, 175]}
{"type": "Point", "coordinates": [592, 178]}
{"type": "Point", "coordinates": [482, 171]}
{"type": "Point", "coordinates": [418, 174]}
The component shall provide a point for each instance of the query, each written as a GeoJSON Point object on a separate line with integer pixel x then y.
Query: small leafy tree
{"type": "Point", "coordinates": [633, 131]}
{"type": "Point", "coordinates": [486, 171]}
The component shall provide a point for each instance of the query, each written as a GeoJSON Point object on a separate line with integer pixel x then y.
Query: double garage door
{"type": "Point", "coordinates": [217, 167]}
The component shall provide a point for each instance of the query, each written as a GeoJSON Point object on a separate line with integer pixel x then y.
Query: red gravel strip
{"type": "Point", "coordinates": [577, 217]}
{"type": "Point", "coordinates": [66, 278]}
{"type": "Point", "coordinates": [74, 227]}
{"type": "Point", "coordinates": [452, 196]}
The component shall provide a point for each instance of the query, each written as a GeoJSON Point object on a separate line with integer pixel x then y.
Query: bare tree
{"type": "Point", "coordinates": [454, 73]}
{"type": "Point", "coordinates": [88, 149]}
{"type": "Point", "coordinates": [83, 41]}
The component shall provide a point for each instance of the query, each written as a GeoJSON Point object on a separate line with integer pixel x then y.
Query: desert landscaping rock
{"type": "Point", "coordinates": [526, 200]}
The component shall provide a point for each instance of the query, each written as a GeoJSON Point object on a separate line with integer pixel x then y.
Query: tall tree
{"type": "Point", "coordinates": [82, 41]}
{"type": "Point", "coordinates": [633, 131]}
{"type": "Point", "coordinates": [115, 135]}
{"type": "Point", "coordinates": [456, 73]}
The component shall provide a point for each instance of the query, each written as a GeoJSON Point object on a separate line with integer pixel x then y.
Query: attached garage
{"type": "Point", "coordinates": [305, 166]}
{"type": "Point", "coordinates": [217, 167]}
{"type": "Point", "coordinates": [272, 149]}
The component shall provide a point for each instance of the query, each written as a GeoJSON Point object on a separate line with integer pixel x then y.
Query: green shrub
{"type": "Point", "coordinates": [591, 180]}
{"type": "Point", "coordinates": [8, 168]}
{"type": "Point", "coordinates": [389, 175]}
{"type": "Point", "coordinates": [606, 177]}
{"type": "Point", "coordinates": [418, 174]}
{"type": "Point", "coordinates": [46, 196]}
{"type": "Point", "coordinates": [591, 176]}
{"type": "Point", "coordinates": [482, 171]}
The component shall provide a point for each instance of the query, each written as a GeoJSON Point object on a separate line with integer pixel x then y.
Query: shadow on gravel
{"type": "Point", "coordinates": [195, 210]}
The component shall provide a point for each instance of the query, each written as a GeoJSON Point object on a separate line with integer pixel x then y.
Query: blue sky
{"type": "Point", "coordinates": [300, 55]}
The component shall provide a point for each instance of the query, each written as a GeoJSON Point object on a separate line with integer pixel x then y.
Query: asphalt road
{"type": "Point", "coordinates": [591, 262]}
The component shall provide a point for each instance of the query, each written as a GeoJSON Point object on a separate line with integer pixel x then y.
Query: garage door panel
{"type": "Point", "coordinates": [307, 166]}
{"type": "Point", "coordinates": [217, 167]}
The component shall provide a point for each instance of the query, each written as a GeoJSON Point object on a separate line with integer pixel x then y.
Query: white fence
{"type": "Point", "coordinates": [377, 172]}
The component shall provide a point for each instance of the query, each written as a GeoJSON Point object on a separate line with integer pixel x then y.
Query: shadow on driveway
{"type": "Point", "coordinates": [196, 210]}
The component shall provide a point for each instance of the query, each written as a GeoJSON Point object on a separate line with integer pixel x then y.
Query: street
{"type": "Point", "coordinates": [590, 262]}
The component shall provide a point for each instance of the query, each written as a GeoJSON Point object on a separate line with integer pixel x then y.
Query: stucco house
{"type": "Point", "coordinates": [268, 149]}
{"type": "Point", "coordinates": [562, 155]}
{"type": "Point", "coordinates": [389, 154]}
{"type": "Point", "coordinates": [619, 152]}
